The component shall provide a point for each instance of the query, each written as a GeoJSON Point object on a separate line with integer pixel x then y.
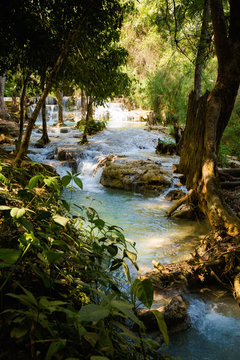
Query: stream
{"type": "Point", "coordinates": [215, 317]}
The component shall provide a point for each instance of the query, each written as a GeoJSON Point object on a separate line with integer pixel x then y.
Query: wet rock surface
{"type": "Point", "coordinates": [174, 313]}
{"type": "Point", "coordinates": [140, 176]}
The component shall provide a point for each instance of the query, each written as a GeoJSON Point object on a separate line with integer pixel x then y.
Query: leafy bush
{"type": "Point", "coordinates": [59, 277]}
{"type": "Point", "coordinates": [94, 126]}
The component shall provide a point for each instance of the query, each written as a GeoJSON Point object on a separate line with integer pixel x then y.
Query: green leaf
{"type": "Point", "coordinates": [65, 204]}
{"type": "Point", "coordinates": [78, 182]}
{"type": "Point", "coordinates": [112, 249]}
{"type": "Point", "coordinates": [17, 333]}
{"type": "Point", "coordinates": [99, 223]}
{"type": "Point", "coordinates": [30, 295]}
{"type": "Point", "coordinates": [27, 225]}
{"type": "Point", "coordinates": [91, 337]}
{"type": "Point", "coordinates": [17, 213]}
{"type": "Point", "coordinates": [143, 289]}
{"type": "Point", "coordinates": [93, 312]}
{"type": "Point", "coordinates": [34, 181]}
{"type": "Point", "coordinates": [128, 333]}
{"type": "Point", "coordinates": [127, 272]}
{"type": "Point", "coordinates": [116, 264]}
{"type": "Point", "coordinates": [50, 305]}
{"type": "Point", "coordinates": [4, 207]}
{"type": "Point", "coordinates": [53, 256]}
{"type": "Point", "coordinates": [66, 179]}
{"type": "Point", "coordinates": [132, 256]}
{"type": "Point", "coordinates": [8, 256]}
{"type": "Point", "coordinates": [99, 358]}
{"type": "Point", "coordinates": [3, 179]}
{"type": "Point", "coordinates": [162, 325]}
{"type": "Point", "coordinates": [126, 309]}
{"type": "Point", "coordinates": [52, 181]}
{"type": "Point", "coordinates": [54, 347]}
{"type": "Point", "coordinates": [61, 220]}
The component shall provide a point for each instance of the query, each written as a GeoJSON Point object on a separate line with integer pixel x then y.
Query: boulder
{"type": "Point", "coordinates": [140, 176]}
{"type": "Point", "coordinates": [174, 313]}
{"type": "Point", "coordinates": [9, 128]}
{"type": "Point", "coordinates": [63, 154]}
{"type": "Point", "coordinates": [64, 130]}
{"type": "Point", "coordinates": [6, 139]}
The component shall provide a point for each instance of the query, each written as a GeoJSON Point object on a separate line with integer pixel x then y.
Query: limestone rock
{"type": "Point", "coordinates": [174, 313]}
{"type": "Point", "coordinates": [145, 177]}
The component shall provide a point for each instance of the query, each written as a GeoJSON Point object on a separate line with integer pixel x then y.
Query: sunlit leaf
{"type": "Point", "coordinates": [61, 220]}
{"type": "Point", "coordinates": [4, 207]}
{"type": "Point", "coordinates": [17, 213]}
{"type": "Point", "coordinates": [132, 256]}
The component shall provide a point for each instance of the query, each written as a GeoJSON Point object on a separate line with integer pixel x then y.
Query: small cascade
{"type": "Point", "coordinates": [214, 332]}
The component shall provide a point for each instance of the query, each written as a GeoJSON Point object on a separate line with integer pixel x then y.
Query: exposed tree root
{"type": "Point", "coordinates": [178, 203]}
{"type": "Point", "coordinates": [215, 260]}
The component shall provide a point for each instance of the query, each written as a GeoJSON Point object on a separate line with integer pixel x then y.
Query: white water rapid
{"type": "Point", "coordinates": [215, 331]}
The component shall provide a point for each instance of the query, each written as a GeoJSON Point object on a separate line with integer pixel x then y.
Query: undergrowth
{"type": "Point", "coordinates": [59, 291]}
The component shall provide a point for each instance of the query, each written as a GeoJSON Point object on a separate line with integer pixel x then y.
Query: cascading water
{"type": "Point", "coordinates": [215, 331]}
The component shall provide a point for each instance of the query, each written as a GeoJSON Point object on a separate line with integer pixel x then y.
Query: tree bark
{"type": "Point", "coordinates": [44, 139]}
{"type": "Point", "coordinates": [22, 109]}
{"type": "Point", "coordinates": [201, 50]}
{"type": "Point", "coordinates": [88, 116]}
{"type": "Point", "coordinates": [83, 104]}
{"type": "Point", "coordinates": [207, 118]}
{"type": "Point", "coordinates": [3, 112]}
{"type": "Point", "coordinates": [59, 95]}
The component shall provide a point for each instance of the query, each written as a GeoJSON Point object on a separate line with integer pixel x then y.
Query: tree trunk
{"type": "Point", "coordinates": [88, 116]}
{"type": "Point", "coordinates": [206, 120]}
{"type": "Point", "coordinates": [3, 112]}
{"type": "Point", "coordinates": [201, 50]}
{"type": "Point", "coordinates": [22, 109]}
{"type": "Point", "coordinates": [59, 95]}
{"type": "Point", "coordinates": [25, 143]}
{"type": "Point", "coordinates": [44, 139]}
{"type": "Point", "coordinates": [83, 104]}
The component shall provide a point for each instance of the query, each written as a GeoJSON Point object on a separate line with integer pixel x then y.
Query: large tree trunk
{"type": "Point", "coordinates": [3, 112]}
{"type": "Point", "coordinates": [206, 120]}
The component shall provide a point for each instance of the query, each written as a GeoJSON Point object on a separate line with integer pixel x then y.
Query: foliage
{"type": "Point", "coordinates": [94, 126]}
{"type": "Point", "coordinates": [230, 141]}
{"type": "Point", "coordinates": [59, 275]}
